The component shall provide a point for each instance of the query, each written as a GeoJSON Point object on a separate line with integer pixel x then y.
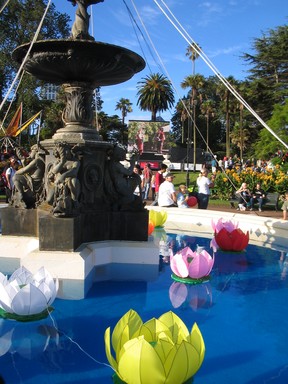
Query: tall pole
{"type": "Point", "coordinates": [188, 152]}
{"type": "Point", "coordinates": [194, 134]}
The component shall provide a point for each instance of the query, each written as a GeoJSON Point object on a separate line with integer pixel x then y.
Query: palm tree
{"type": "Point", "coordinates": [207, 109]}
{"type": "Point", "coordinates": [192, 54]}
{"type": "Point", "coordinates": [225, 95]}
{"type": "Point", "coordinates": [195, 82]}
{"type": "Point", "coordinates": [155, 94]}
{"type": "Point", "coordinates": [125, 106]}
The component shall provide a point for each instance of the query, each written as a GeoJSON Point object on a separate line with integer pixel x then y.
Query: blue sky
{"type": "Point", "coordinates": [224, 30]}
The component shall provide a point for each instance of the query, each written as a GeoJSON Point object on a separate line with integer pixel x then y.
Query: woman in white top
{"type": "Point", "coordinates": [204, 184]}
{"type": "Point", "coordinates": [167, 194]}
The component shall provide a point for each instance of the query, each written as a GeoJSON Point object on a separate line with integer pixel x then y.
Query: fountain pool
{"type": "Point", "coordinates": [241, 313]}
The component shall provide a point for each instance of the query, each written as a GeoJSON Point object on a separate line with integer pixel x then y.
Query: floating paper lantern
{"type": "Point", "coordinates": [228, 236]}
{"type": "Point", "coordinates": [191, 267]}
{"type": "Point", "coordinates": [235, 241]}
{"type": "Point", "coordinates": [150, 228]}
{"type": "Point", "coordinates": [25, 296]}
{"type": "Point", "coordinates": [158, 218]}
{"type": "Point", "coordinates": [159, 351]}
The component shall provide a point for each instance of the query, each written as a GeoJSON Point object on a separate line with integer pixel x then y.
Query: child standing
{"type": "Point", "coordinates": [285, 206]}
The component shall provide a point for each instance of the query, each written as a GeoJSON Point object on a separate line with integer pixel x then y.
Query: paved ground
{"type": "Point", "coordinates": [265, 213]}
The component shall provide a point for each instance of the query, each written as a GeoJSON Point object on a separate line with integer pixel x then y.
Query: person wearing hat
{"type": "Point", "coordinates": [167, 194]}
{"type": "Point", "coordinates": [204, 184]}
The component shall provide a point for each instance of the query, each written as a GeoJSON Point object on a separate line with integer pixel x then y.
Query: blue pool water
{"type": "Point", "coordinates": [242, 313]}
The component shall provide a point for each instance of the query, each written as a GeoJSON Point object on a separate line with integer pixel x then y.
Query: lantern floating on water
{"type": "Point", "coordinates": [158, 218]}
{"type": "Point", "coordinates": [158, 351]}
{"type": "Point", "coordinates": [228, 237]}
{"type": "Point", "coordinates": [191, 267]}
{"type": "Point", "coordinates": [150, 228]}
{"type": "Point", "coordinates": [25, 296]}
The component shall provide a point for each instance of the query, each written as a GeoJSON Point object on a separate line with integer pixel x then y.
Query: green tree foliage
{"type": "Point", "coordinates": [19, 22]}
{"type": "Point", "coordinates": [268, 76]}
{"type": "Point", "coordinates": [125, 106]}
{"type": "Point", "coordinates": [155, 94]}
{"type": "Point", "coordinates": [264, 89]}
{"type": "Point", "coordinates": [268, 144]}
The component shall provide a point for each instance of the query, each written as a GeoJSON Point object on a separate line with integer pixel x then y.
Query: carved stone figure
{"type": "Point", "coordinates": [80, 27]}
{"type": "Point", "coordinates": [63, 185]}
{"type": "Point", "coordinates": [29, 180]}
{"type": "Point", "coordinates": [123, 181]}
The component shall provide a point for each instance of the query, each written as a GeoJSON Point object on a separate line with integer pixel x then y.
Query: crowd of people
{"type": "Point", "coordinates": [164, 193]}
{"type": "Point", "coordinates": [163, 190]}
{"type": "Point", "coordinates": [159, 185]}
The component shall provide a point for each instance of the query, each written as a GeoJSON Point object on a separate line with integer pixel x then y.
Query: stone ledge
{"type": "Point", "coordinates": [264, 230]}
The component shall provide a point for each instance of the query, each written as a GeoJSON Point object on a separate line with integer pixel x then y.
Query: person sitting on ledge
{"type": "Point", "coordinates": [258, 195]}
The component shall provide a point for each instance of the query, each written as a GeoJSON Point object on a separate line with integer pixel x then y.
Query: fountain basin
{"type": "Point", "coordinates": [84, 61]}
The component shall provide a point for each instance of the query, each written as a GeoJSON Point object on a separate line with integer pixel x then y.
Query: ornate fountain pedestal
{"type": "Point", "coordinates": [81, 214]}
{"type": "Point", "coordinates": [82, 174]}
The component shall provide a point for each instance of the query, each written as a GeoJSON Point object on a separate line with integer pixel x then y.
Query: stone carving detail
{"type": "Point", "coordinates": [29, 191]}
{"type": "Point", "coordinates": [78, 105]}
{"type": "Point", "coordinates": [121, 181]}
{"type": "Point", "coordinates": [63, 188]}
{"type": "Point", "coordinates": [80, 27]}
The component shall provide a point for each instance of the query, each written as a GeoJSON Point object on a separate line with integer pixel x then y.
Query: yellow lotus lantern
{"type": "Point", "coordinates": [160, 351]}
{"type": "Point", "coordinates": [158, 218]}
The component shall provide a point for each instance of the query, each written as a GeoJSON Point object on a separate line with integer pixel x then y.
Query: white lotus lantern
{"type": "Point", "coordinates": [24, 295]}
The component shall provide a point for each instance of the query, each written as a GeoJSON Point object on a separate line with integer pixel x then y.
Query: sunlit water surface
{"type": "Point", "coordinates": [242, 313]}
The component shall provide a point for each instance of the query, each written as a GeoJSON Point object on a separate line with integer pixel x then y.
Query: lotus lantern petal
{"type": "Point", "coordinates": [228, 236]}
{"type": "Point", "coordinates": [158, 218]}
{"type": "Point", "coordinates": [229, 225]}
{"type": "Point", "coordinates": [235, 241]}
{"type": "Point", "coordinates": [160, 351]}
{"type": "Point", "coordinates": [195, 265]}
{"type": "Point", "coordinates": [25, 294]}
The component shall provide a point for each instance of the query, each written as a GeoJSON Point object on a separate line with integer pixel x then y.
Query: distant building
{"type": "Point", "coordinates": [49, 92]}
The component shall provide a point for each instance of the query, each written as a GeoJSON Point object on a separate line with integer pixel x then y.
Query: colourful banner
{"type": "Point", "coordinates": [15, 122]}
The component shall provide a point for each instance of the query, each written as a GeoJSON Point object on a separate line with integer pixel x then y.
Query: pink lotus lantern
{"type": "Point", "coordinates": [191, 267]}
{"type": "Point", "coordinates": [228, 237]}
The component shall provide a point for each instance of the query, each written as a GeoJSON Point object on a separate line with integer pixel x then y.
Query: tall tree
{"type": "Point", "coordinates": [268, 145]}
{"type": "Point", "coordinates": [125, 106]}
{"type": "Point", "coordinates": [192, 54]}
{"type": "Point", "coordinates": [195, 83]}
{"type": "Point", "coordinates": [208, 110]}
{"type": "Point", "coordinates": [228, 106]}
{"type": "Point", "coordinates": [269, 62]}
{"type": "Point", "coordinates": [155, 94]}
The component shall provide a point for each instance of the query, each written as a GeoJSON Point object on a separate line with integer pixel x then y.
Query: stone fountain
{"type": "Point", "coordinates": [74, 189]}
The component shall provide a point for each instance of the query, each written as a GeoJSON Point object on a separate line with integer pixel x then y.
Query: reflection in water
{"type": "Point", "coordinates": [283, 262]}
{"type": "Point", "coordinates": [189, 295]}
{"type": "Point", "coordinates": [27, 339]}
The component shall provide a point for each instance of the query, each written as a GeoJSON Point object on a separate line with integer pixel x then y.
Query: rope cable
{"type": "Point", "coordinates": [205, 58]}
{"type": "Point", "coordinates": [26, 56]}
{"type": "Point", "coordinates": [4, 6]}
